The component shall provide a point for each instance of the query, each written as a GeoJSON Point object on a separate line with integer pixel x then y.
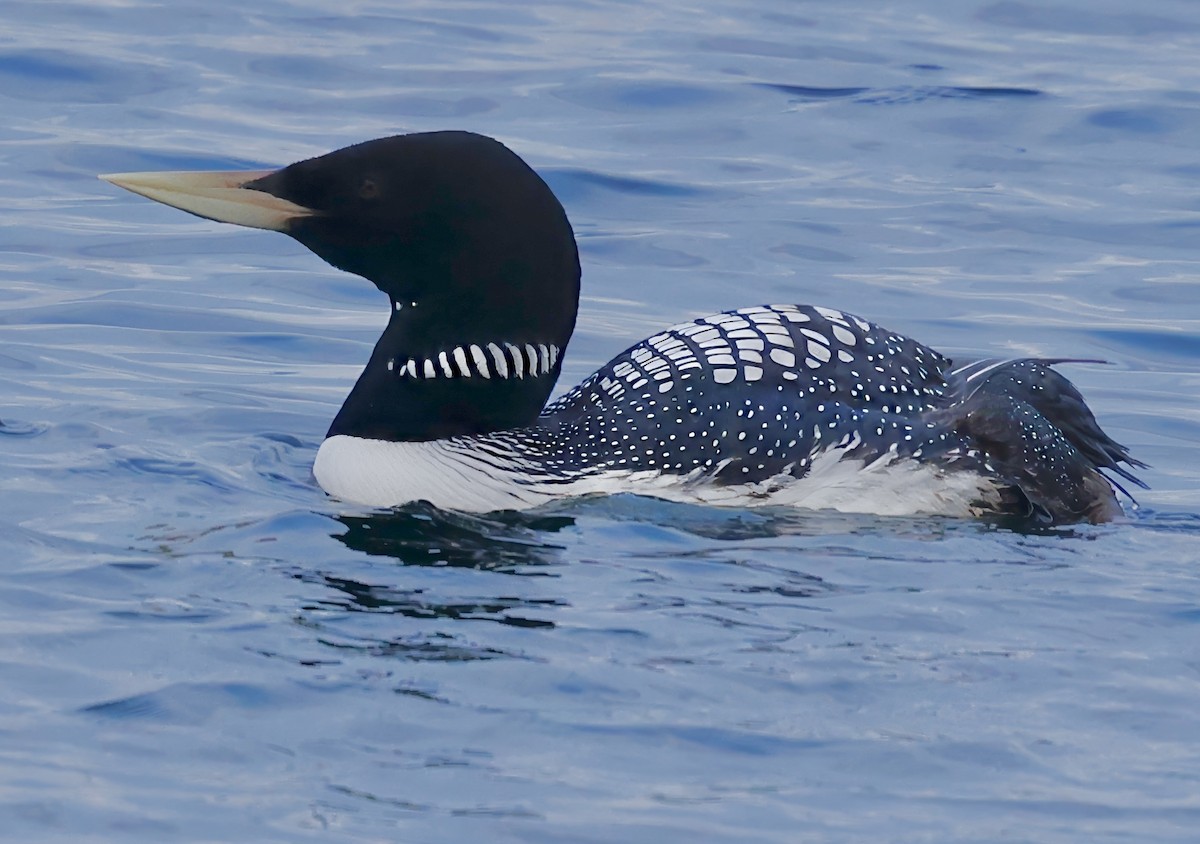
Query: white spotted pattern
{"type": "Point", "coordinates": [778, 404]}
{"type": "Point", "coordinates": [751, 398]}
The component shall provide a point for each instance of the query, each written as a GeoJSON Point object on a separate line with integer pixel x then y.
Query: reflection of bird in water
{"type": "Point", "coordinates": [424, 536]}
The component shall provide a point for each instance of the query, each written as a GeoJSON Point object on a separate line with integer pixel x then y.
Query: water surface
{"type": "Point", "coordinates": [200, 646]}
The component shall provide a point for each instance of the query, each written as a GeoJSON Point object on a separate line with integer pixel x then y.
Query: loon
{"type": "Point", "coordinates": [778, 404]}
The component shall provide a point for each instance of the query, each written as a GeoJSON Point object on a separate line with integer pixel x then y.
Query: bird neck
{"type": "Point", "coordinates": [433, 376]}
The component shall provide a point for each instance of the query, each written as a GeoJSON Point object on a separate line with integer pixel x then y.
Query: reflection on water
{"type": "Point", "coordinates": [899, 95]}
{"type": "Point", "coordinates": [422, 535]}
{"type": "Point", "coordinates": [362, 597]}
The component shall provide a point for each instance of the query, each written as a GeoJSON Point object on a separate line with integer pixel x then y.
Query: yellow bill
{"type": "Point", "coordinates": [216, 196]}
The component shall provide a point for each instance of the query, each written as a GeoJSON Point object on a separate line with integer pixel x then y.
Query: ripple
{"type": "Point", "coordinates": [1151, 121]}
{"type": "Point", "coordinates": [185, 703]}
{"type": "Point", "coordinates": [619, 95]}
{"type": "Point", "coordinates": [573, 185]}
{"type": "Point", "coordinates": [416, 648]}
{"type": "Point", "coordinates": [900, 95]}
{"type": "Point", "coordinates": [362, 597]}
{"type": "Point", "coordinates": [18, 428]}
{"type": "Point", "coordinates": [1095, 22]}
{"type": "Point", "coordinates": [59, 76]}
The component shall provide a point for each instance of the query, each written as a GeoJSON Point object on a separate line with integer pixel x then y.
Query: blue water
{"type": "Point", "coordinates": [197, 645]}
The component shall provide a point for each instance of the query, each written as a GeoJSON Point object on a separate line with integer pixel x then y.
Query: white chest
{"type": "Point", "coordinates": [478, 476]}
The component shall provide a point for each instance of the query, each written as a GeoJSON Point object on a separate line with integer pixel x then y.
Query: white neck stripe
{"type": "Point", "coordinates": [468, 361]}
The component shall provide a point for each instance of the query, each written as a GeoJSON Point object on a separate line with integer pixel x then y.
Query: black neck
{"type": "Point", "coordinates": [424, 380]}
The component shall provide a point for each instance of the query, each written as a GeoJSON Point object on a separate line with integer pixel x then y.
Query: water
{"type": "Point", "coordinates": [199, 646]}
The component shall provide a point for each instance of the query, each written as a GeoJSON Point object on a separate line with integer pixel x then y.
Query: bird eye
{"type": "Point", "coordinates": [368, 190]}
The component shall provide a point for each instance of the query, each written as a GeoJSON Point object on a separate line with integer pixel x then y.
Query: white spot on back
{"type": "Point", "coordinates": [783, 357]}
{"type": "Point", "coordinates": [844, 335]}
{"type": "Point", "coordinates": [815, 335]}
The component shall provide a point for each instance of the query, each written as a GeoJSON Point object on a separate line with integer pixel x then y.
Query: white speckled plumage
{"type": "Point", "coordinates": [676, 416]}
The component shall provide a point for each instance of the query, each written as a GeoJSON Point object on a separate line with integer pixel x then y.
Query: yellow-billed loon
{"type": "Point", "coordinates": [779, 404]}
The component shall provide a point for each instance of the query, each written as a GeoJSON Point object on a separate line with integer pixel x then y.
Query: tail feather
{"type": "Point", "coordinates": [1056, 454]}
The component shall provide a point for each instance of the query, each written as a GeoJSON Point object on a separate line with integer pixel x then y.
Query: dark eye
{"type": "Point", "coordinates": [368, 190]}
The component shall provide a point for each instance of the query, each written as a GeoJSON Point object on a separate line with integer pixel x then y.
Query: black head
{"type": "Point", "coordinates": [452, 221]}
